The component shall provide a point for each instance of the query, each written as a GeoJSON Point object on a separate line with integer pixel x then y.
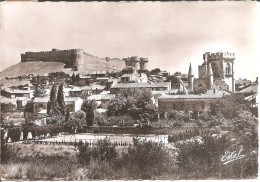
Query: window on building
{"type": "Point", "coordinates": [228, 69]}
{"type": "Point", "coordinates": [41, 105]}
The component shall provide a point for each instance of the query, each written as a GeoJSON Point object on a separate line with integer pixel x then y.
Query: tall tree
{"type": "Point", "coordinates": [52, 104]}
{"type": "Point", "coordinates": [67, 115]}
{"type": "Point", "coordinates": [53, 94]}
{"type": "Point", "coordinates": [77, 78]}
{"type": "Point", "coordinates": [60, 99]}
{"type": "Point", "coordinates": [73, 78]}
{"type": "Point", "coordinates": [88, 107]}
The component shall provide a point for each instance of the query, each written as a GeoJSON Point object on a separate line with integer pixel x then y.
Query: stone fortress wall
{"type": "Point", "coordinates": [73, 57]}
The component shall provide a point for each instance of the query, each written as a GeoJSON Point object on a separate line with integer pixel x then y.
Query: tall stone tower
{"type": "Point", "coordinates": [222, 64]}
{"type": "Point", "coordinates": [190, 78]}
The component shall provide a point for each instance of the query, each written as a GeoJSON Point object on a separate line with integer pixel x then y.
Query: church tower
{"type": "Point", "coordinates": [190, 78]}
{"type": "Point", "coordinates": [210, 77]}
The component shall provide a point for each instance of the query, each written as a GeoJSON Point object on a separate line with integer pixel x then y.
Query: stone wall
{"type": "Point", "coordinates": [71, 58]}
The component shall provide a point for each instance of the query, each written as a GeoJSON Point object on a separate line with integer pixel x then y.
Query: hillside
{"type": "Point", "coordinates": [90, 64]}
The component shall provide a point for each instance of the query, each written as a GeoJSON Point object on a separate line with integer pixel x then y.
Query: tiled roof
{"type": "Point", "coordinates": [141, 85]}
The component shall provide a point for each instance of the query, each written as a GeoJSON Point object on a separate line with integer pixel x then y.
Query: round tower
{"type": "Point", "coordinates": [77, 57]}
{"type": "Point", "coordinates": [143, 64]}
{"type": "Point", "coordinates": [190, 78]}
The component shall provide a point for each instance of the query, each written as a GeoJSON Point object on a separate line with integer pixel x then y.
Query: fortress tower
{"type": "Point", "coordinates": [138, 63]}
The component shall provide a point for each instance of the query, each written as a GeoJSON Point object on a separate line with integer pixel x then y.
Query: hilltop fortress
{"type": "Point", "coordinates": [73, 57]}
{"type": "Point", "coordinates": [77, 57]}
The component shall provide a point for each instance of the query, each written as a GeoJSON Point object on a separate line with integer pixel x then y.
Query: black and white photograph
{"type": "Point", "coordinates": [129, 90]}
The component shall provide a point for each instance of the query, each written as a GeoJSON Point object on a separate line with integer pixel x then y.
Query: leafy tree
{"type": "Point", "coordinates": [136, 103]}
{"type": "Point", "coordinates": [102, 151]}
{"type": "Point", "coordinates": [88, 107]}
{"type": "Point", "coordinates": [7, 107]}
{"type": "Point", "coordinates": [39, 91]}
{"type": "Point", "coordinates": [116, 107]}
{"type": "Point", "coordinates": [155, 71]}
{"type": "Point", "coordinates": [146, 157]}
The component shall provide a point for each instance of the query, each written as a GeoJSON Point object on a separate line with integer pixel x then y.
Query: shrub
{"type": "Point", "coordinates": [146, 158]}
{"type": "Point", "coordinates": [102, 151]}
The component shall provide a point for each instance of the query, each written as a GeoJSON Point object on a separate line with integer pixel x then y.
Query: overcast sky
{"type": "Point", "coordinates": [170, 34]}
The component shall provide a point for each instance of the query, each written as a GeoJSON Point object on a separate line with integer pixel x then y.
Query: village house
{"type": "Point", "coordinates": [14, 93]}
{"type": "Point", "coordinates": [72, 103]}
{"type": "Point", "coordinates": [194, 104]}
{"type": "Point", "coordinates": [105, 100]}
{"type": "Point", "coordinates": [98, 74]}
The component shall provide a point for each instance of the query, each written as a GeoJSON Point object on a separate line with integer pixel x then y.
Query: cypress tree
{"type": "Point", "coordinates": [53, 100]}
{"type": "Point", "coordinates": [73, 78]}
{"type": "Point", "coordinates": [77, 78]}
{"type": "Point", "coordinates": [60, 99]}
{"type": "Point", "coordinates": [53, 94]}
{"type": "Point", "coordinates": [67, 116]}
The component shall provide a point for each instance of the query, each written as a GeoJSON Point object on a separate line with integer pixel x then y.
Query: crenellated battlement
{"type": "Point", "coordinates": [218, 55]}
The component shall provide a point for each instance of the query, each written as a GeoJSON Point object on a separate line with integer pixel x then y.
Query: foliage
{"type": "Point", "coordinates": [39, 91]}
{"type": "Point", "coordinates": [57, 76]}
{"type": "Point", "coordinates": [88, 107]}
{"type": "Point", "coordinates": [4, 148]}
{"type": "Point", "coordinates": [155, 71]}
{"type": "Point", "coordinates": [229, 106]}
{"type": "Point", "coordinates": [60, 99]}
{"type": "Point", "coordinates": [14, 134]}
{"type": "Point", "coordinates": [146, 157]}
{"type": "Point", "coordinates": [28, 107]}
{"type": "Point", "coordinates": [67, 115]}
{"type": "Point", "coordinates": [7, 107]}
{"type": "Point", "coordinates": [102, 151]}
{"type": "Point", "coordinates": [135, 103]}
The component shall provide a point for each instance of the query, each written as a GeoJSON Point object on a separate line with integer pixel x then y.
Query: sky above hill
{"type": "Point", "coordinates": [170, 34]}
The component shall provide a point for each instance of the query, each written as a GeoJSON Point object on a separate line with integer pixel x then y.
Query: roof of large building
{"type": "Point", "coordinates": [142, 85]}
{"type": "Point", "coordinates": [192, 96]}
